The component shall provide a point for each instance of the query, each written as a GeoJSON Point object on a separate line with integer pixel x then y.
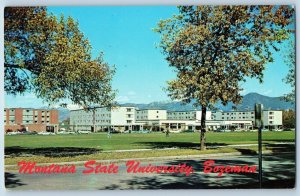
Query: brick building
{"type": "Point", "coordinates": [39, 120]}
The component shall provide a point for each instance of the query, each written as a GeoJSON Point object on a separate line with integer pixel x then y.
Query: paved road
{"type": "Point", "coordinates": [278, 172]}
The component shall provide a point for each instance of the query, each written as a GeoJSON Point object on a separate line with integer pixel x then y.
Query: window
{"type": "Point", "coordinates": [156, 116]}
{"type": "Point", "coordinates": [271, 113]}
{"type": "Point", "coordinates": [157, 111]}
{"type": "Point", "coordinates": [270, 122]}
{"type": "Point", "coordinates": [128, 109]}
{"type": "Point", "coordinates": [271, 117]}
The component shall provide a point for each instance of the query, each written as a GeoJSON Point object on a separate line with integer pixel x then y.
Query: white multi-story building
{"type": "Point", "coordinates": [272, 119]}
{"type": "Point", "coordinates": [151, 114]}
{"type": "Point", "coordinates": [187, 115]}
{"type": "Point", "coordinates": [128, 118]}
{"type": "Point", "coordinates": [119, 118]}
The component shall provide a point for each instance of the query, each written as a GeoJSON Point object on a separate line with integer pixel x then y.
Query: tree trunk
{"type": "Point", "coordinates": [94, 120]}
{"type": "Point", "coordinates": [203, 129]}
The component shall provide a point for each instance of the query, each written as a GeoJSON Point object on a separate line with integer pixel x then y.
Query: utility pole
{"type": "Point", "coordinates": [259, 124]}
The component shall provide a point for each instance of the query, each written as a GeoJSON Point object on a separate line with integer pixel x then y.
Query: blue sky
{"type": "Point", "coordinates": [125, 36]}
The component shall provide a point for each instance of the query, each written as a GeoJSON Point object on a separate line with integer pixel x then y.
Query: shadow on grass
{"type": "Point", "coordinates": [279, 140]}
{"type": "Point", "coordinates": [183, 145]}
{"type": "Point", "coordinates": [277, 148]}
{"type": "Point", "coordinates": [246, 151]}
{"type": "Point", "coordinates": [15, 151]}
{"type": "Point", "coordinates": [11, 181]}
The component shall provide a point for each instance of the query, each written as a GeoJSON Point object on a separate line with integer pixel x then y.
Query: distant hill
{"type": "Point", "coordinates": [275, 103]}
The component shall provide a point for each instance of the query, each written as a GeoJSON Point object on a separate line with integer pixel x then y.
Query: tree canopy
{"type": "Point", "coordinates": [213, 48]}
{"type": "Point", "coordinates": [51, 57]}
{"type": "Point", "coordinates": [290, 60]}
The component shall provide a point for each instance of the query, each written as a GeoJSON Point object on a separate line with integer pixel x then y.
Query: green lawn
{"type": "Point", "coordinates": [65, 148]}
{"type": "Point", "coordinates": [141, 141]}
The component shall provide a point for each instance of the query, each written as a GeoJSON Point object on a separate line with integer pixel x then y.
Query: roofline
{"type": "Point", "coordinates": [246, 111]}
{"type": "Point", "coordinates": [150, 109]}
{"type": "Point", "coordinates": [30, 108]}
{"type": "Point", "coordinates": [107, 107]}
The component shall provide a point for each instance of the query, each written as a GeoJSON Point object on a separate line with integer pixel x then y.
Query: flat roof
{"type": "Point", "coordinates": [31, 108]}
{"type": "Point", "coordinates": [150, 109]}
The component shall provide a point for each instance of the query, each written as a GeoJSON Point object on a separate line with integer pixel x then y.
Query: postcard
{"type": "Point", "coordinates": [149, 97]}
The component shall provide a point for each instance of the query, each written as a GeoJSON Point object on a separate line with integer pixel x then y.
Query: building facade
{"type": "Point", "coordinates": [272, 119]}
{"type": "Point", "coordinates": [187, 115]}
{"type": "Point", "coordinates": [151, 114]}
{"type": "Point", "coordinates": [29, 119]}
{"type": "Point", "coordinates": [101, 119]}
{"type": "Point", "coordinates": [129, 118]}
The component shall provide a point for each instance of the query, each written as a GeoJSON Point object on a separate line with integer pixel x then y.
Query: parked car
{"type": "Point", "coordinates": [175, 131]}
{"type": "Point", "coordinates": [13, 133]}
{"type": "Point", "coordinates": [220, 130]}
{"type": "Point", "coordinates": [84, 132]}
{"type": "Point", "coordinates": [144, 131]}
{"type": "Point", "coordinates": [29, 133]}
{"type": "Point", "coordinates": [46, 133]}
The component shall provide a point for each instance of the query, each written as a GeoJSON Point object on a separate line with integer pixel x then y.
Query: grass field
{"type": "Point", "coordinates": [65, 148]}
{"type": "Point", "coordinates": [142, 141]}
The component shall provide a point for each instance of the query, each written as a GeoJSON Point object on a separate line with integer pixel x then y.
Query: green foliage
{"type": "Point", "coordinates": [52, 58]}
{"type": "Point", "coordinates": [290, 60]}
{"type": "Point", "coordinates": [289, 119]}
{"type": "Point", "coordinates": [213, 48]}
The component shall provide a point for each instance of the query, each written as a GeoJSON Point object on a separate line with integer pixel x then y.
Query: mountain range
{"type": "Point", "coordinates": [270, 103]}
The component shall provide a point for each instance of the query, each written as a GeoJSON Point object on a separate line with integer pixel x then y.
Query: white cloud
{"type": "Point", "coordinates": [243, 92]}
{"type": "Point", "coordinates": [122, 99]}
{"type": "Point", "coordinates": [267, 92]}
{"type": "Point", "coordinates": [73, 107]}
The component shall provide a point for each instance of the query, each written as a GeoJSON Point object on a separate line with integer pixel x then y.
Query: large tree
{"type": "Point", "coordinates": [290, 60]}
{"type": "Point", "coordinates": [288, 119]}
{"type": "Point", "coordinates": [213, 48]}
{"type": "Point", "coordinates": [51, 57]}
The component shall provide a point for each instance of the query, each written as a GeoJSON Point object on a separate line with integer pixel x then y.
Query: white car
{"type": "Point", "coordinates": [46, 133]}
{"type": "Point", "coordinates": [84, 132]}
{"type": "Point", "coordinates": [13, 133]}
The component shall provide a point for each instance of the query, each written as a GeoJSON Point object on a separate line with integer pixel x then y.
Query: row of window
{"type": "Point", "coordinates": [144, 117]}
{"type": "Point", "coordinates": [181, 113]}
{"type": "Point", "coordinates": [236, 117]}
{"type": "Point", "coordinates": [236, 113]}
{"type": "Point", "coordinates": [27, 121]}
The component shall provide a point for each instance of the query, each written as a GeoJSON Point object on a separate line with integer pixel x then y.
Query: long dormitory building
{"type": "Point", "coordinates": [123, 118]}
